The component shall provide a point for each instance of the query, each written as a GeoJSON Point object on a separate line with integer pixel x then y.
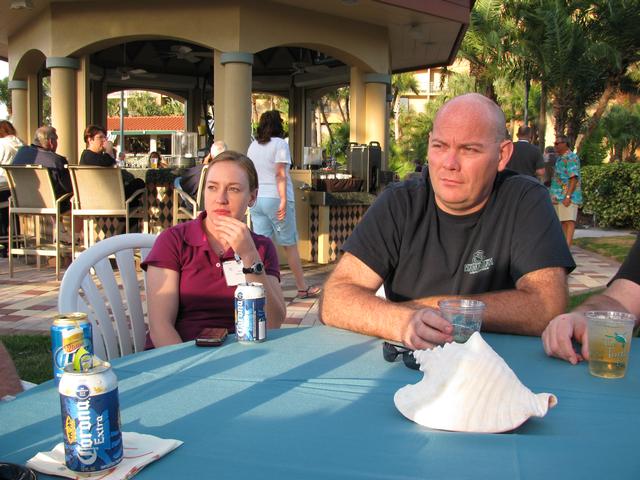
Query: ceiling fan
{"type": "Point", "coordinates": [126, 72]}
{"type": "Point", "coordinates": [306, 67]}
{"type": "Point", "coordinates": [185, 52]}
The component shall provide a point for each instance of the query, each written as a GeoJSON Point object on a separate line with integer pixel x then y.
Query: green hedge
{"type": "Point", "coordinates": [612, 192]}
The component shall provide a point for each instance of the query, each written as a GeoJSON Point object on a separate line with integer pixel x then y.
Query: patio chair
{"type": "Point", "coordinates": [99, 192]}
{"type": "Point", "coordinates": [115, 303]}
{"type": "Point", "coordinates": [32, 193]}
{"type": "Point", "coordinates": [185, 207]}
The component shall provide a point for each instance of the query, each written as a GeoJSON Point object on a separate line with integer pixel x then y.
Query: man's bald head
{"type": "Point", "coordinates": [477, 103]}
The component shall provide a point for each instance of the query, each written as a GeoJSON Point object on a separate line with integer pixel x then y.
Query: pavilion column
{"type": "Point", "coordinates": [33, 107]}
{"type": "Point", "coordinates": [218, 96]}
{"type": "Point", "coordinates": [376, 107]}
{"type": "Point", "coordinates": [357, 107]}
{"type": "Point", "coordinates": [237, 93]}
{"type": "Point", "coordinates": [19, 108]}
{"type": "Point", "coordinates": [64, 105]}
{"type": "Point", "coordinates": [83, 104]}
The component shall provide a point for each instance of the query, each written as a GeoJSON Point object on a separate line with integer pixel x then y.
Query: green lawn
{"type": "Point", "coordinates": [614, 247]}
{"type": "Point", "coordinates": [32, 356]}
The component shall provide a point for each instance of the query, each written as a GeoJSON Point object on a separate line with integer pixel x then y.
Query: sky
{"type": "Point", "coordinates": [4, 72]}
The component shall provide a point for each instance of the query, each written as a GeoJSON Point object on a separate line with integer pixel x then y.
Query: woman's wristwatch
{"type": "Point", "coordinates": [256, 269]}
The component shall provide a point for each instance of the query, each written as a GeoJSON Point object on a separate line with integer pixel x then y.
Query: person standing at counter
{"type": "Point", "coordinates": [274, 213]}
{"type": "Point", "coordinates": [190, 285]}
{"type": "Point", "coordinates": [94, 155]}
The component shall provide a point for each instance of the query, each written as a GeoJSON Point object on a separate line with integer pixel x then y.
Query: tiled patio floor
{"type": "Point", "coordinates": [28, 301]}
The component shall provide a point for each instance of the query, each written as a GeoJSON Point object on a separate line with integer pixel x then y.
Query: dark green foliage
{"type": "Point", "coordinates": [340, 145]}
{"type": "Point", "coordinates": [593, 150]}
{"type": "Point", "coordinates": [612, 193]}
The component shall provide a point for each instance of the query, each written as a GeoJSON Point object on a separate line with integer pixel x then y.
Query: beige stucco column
{"type": "Point", "coordinates": [218, 96]}
{"type": "Point", "coordinates": [64, 105]}
{"type": "Point", "coordinates": [376, 106]}
{"type": "Point", "coordinates": [83, 96]}
{"type": "Point", "coordinates": [33, 107]}
{"type": "Point", "coordinates": [357, 107]}
{"type": "Point", "coordinates": [19, 108]}
{"type": "Point", "coordinates": [237, 93]}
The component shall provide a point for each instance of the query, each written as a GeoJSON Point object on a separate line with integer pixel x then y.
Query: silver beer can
{"type": "Point", "coordinates": [251, 320]}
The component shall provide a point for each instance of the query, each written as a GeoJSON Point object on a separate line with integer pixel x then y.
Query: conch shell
{"type": "Point", "coordinates": [468, 387]}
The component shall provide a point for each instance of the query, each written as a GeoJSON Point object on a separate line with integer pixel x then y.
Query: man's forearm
{"type": "Point", "coordinates": [512, 311]}
{"type": "Point", "coordinates": [600, 302]}
{"type": "Point", "coordinates": [357, 309]}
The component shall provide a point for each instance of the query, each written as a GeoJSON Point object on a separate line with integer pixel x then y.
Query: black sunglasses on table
{"type": "Point", "coordinates": [390, 353]}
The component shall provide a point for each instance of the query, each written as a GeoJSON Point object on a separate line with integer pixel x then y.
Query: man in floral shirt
{"type": "Point", "coordinates": [566, 193]}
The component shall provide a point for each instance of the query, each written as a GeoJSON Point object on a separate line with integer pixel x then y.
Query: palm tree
{"type": "Point", "coordinates": [555, 46]}
{"type": "Point", "coordinates": [401, 83]}
{"type": "Point", "coordinates": [484, 45]}
{"type": "Point", "coordinates": [615, 24]}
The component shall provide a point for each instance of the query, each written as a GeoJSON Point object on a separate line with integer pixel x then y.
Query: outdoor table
{"type": "Point", "coordinates": [318, 403]}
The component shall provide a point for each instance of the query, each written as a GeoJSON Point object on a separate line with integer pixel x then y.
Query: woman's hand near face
{"type": "Point", "coordinates": [236, 233]}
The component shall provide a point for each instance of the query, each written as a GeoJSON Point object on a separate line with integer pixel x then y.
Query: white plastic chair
{"type": "Point", "coordinates": [115, 309]}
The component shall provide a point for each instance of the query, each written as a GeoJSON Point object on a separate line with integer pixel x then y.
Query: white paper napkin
{"type": "Point", "coordinates": [139, 451]}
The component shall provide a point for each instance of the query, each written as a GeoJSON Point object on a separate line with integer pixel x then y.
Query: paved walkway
{"type": "Point", "coordinates": [28, 301]}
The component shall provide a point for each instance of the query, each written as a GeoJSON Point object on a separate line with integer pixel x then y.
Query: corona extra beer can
{"type": "Point", "coordinates": [69, 333]}
{"type": "Point", "coordinates": [251, 321]}
{"type": "Point", "coordinates": [90, 417]}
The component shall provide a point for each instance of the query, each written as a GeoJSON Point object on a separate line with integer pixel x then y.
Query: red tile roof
{"type": "Point", "coordinates": [149, 124]}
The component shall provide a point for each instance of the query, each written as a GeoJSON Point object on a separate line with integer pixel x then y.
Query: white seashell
{"type": "Point", "coordinates": [468, 387]}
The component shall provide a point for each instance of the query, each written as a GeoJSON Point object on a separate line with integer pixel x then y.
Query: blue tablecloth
{"type": "Point", "coordinates": [318, 403]}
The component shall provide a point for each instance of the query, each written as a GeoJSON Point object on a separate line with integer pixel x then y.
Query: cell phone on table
{"type": "Point", "coordinates": [211, 337]}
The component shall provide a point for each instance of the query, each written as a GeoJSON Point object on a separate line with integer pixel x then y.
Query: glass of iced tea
{"type": "Point", "coordinates": [609, 342]}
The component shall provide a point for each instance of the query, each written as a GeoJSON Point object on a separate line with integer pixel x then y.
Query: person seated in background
{"type": "Point", "coordinates": [43, 152]}
{"type": "Point", "coordinates": [9, 145]}
{"type": "Point", "coordinates": [94, 155]}
{"type": "Point", "coordinates": [156, 161]}
{"type": "Point", "coordinates": [189, 286]}
{"type": "Point", "coordinates": [466, 229]}
{"type": "Point", "coordinates": [622, 295]}
{"type": "Point", "coordinates": [191, 178]}
{"type": "Point", "coordinates": [9, 381]}
{"type": "Point", "coordinates": [95, 138]}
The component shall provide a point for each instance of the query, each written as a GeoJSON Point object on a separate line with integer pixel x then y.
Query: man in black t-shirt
{"type": "Point", "coordinates": [526, 158]}
{"type": "Point", "coordinates": [622, 295]}
{"type": "Point", "coordinates": [465, 229]}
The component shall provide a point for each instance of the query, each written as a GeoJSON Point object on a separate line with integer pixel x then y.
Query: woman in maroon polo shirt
{"type": "Point", "coordinates": [186, 283]}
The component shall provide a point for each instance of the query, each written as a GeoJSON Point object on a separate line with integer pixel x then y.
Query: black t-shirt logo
{"type": "Point", "coordinates": [478, 263]}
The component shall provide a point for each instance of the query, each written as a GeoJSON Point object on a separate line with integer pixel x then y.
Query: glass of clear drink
{"type": "Point", "coordinates": [609, 336]}
{"type": "Point", "coordinates": [465, 315]}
